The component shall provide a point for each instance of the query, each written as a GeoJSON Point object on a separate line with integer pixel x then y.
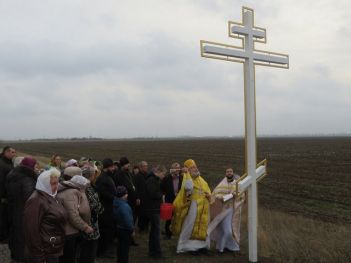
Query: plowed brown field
{"type": "Point", "coordinates": [307, 176]}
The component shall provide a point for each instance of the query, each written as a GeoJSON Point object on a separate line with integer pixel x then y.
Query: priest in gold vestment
{"type": "Point", "coordinates": [224, 228]}
{"type": "Point", "coordinates": [191, 211]}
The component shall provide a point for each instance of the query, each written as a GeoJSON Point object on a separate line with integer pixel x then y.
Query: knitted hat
{"type": "Point", "coordinates": [123, 161]}
{"type": "Point", "coordinates": [121, 191]}
{"type": "Point", "coordinates": [29, 162]}
{"type": "Point", "coordinates": [72, 171]}
{"type": "Point", "coordinates": [107, 162]}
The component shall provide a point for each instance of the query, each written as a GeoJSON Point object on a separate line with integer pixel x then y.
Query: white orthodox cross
{"type": "Point", "coordinates": [249, 56]}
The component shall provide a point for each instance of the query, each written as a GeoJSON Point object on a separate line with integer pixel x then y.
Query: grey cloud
{"type": "Point", "coordinates": [59, 59]}
{"type": "Point", "coordinates": [101, 74]}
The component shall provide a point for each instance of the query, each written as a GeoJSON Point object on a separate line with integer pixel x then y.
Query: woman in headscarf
{"type": "Point", "coordinates": [72, 195]}
{"type": "Point", "coordinates": [20, 184]}
{"type": "Point", "coordinates": [44, 221]}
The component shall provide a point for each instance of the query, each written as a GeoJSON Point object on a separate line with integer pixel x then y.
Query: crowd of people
{"type": "Point", "coordinates": [73, 211]}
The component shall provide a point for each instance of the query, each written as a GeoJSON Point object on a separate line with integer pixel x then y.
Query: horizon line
{"type": "Point", "coordinates": [92, 138]}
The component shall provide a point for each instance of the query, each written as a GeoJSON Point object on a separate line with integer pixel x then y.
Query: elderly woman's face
{"type": "Point", "coordinates": [54, 184]}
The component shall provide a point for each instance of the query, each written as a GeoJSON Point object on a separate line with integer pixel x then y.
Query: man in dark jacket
{"type": "Point", "coordinates": [6, 165]}
{"type": "Point", "coordinates": [170, 186]}
{"type": "Point", "coordinates": [105, 186]}
{"type": "Point", "coordinates": [19, 187]}
{"type": "Point", "coordinates": [140, 185]}
{"type": "Point", "coordinates": [153, 202]}
{"type": "Point", "coordinates": [124, 178]}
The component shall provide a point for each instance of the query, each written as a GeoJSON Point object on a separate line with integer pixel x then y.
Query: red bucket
{"type": "Point", "coordinates": [166, 211]}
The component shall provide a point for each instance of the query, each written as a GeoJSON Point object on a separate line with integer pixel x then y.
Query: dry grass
{"type": "Point", "coordinates": [291, 238]}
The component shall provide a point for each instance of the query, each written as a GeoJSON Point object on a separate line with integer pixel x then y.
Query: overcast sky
{"type": "Point", "coordinates": [117, 69]}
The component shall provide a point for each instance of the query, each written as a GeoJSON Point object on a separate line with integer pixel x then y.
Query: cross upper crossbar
{"type": "Point", "coordinates": [240, 30]}
{"type": "Point", "coordinates": [248, 34]}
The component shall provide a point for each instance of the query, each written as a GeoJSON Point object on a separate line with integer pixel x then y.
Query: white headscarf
{"type": "Point", "coordinates": [43, 183]}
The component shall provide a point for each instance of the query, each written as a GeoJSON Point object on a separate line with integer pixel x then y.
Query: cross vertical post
{"type": "Point", "coordinates": [250, 131]}
{"type": "Point", "coordinates": [248, 33]}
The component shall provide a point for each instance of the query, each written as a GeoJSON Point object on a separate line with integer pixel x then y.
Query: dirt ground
{"type": "Point", "coordinates": [140, 254]}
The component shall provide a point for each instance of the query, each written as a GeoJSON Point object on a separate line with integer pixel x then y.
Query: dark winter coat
{"type": "Point", "coordinates": [5, 167]}
{"type": "Point", "coordinates": [123, 214]}
{"type": "Point", "coordinates": [44, 227]}
{"type": "Point", "coordinates": [19, 187]}
{"type": "Point", "coordinates": [168, 189]}
{"type": "Point", "coordinates": [126, 179]}
{"type": "Point", "coordinates": [140, 186]}
{"type": "Point", "coordinates": [106, 188]}
{"type": "Point", "coordinates": [153, 194]}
